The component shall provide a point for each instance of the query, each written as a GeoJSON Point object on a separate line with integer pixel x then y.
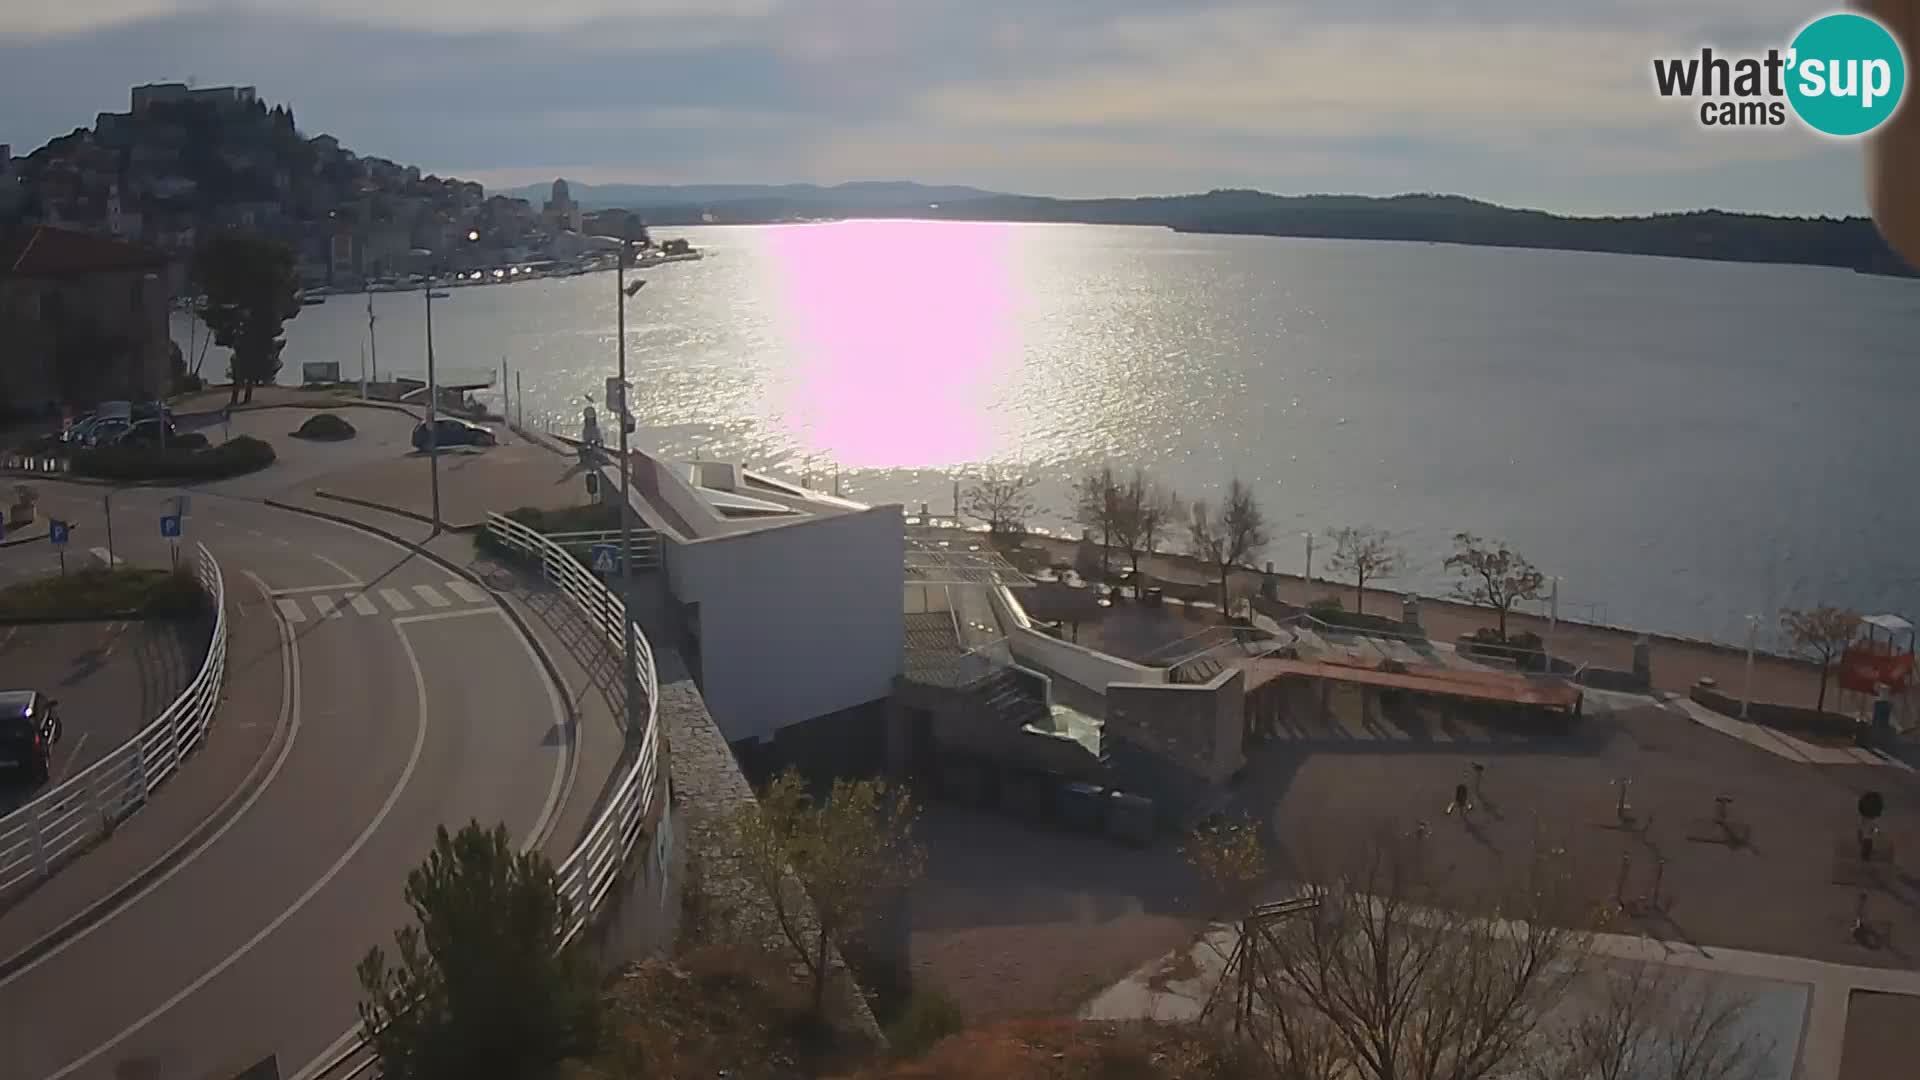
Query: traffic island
{"type": "Point", "coordinates": [177, 463]}
{"type": "Point", "coordinates": [99, 593]}
{"type": "Point", "coordinates": [324, 427]}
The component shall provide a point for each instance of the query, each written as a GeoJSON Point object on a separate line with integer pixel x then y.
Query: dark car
{"type": "Point", "coordinates": [454, 432]}
{"type": "Point", "coordinates": [29, 726]}
{"type": "Point", "coordinates": [150, 432]}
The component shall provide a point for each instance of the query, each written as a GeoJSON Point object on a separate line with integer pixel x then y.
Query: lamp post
{"type": "Point", "coordinates": [1746, 685]}
{"type": "Point", "coordinates": [433, 420]}
{"type": "Point", "coordinates": [626, 474]}
{"type": "Point", "coordinates": [1308, 579]}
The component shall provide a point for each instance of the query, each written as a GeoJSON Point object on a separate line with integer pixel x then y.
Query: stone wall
{"type": "Point", "coordinates": [1199, 728]}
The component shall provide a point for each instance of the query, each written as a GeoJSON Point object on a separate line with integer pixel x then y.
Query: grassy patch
{"type": "Point", "coordinates": [591, 517]}
{"type": "Point", "coordinates": [234, 457]}
{"type": "Point", "coordinates": [101, 593]}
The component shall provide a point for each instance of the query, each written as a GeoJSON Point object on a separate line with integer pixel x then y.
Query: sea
{"type": "Point", "coordinates": [1684, 445]}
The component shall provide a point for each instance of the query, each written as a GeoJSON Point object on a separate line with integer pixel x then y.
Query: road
{"type": "Point", "coordinates": [411, 701]}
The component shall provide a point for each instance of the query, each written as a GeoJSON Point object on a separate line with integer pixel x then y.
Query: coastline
{"type": "Point", "coordinates": [1678, 661]}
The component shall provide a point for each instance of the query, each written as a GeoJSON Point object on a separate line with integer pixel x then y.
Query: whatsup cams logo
{"type": "Point", "coordinates": [1842, 75]}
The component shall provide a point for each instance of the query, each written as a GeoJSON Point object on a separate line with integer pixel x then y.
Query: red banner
{"type": "Point", "coordinates": [1866, 666]}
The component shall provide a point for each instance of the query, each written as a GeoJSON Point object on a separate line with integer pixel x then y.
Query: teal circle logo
{"type": "Point", "coordinates": [1847, 74]}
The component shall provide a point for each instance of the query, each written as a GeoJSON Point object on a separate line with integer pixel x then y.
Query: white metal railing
{"type": "Point", "coordinates": [39, 836]}
{"type": "Point", "coordinates": [593, 868]}
{"type": "Point", "coordinates": [37, 463]}
{"type": "Point", "coordinates": [646, 544]}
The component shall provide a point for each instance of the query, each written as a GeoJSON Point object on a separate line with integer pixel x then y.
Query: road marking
{"type": "Point", "coordinates": [352, 578]}
{"type": "Point", "coordinates": [304, 589]}
{"type": "Point", "coordinates": [396, 599]}
{"type": "Point", "coordinates": [566, 771]}
{"type": "Point", "coordinates": [290, 610]}
{"type": "Point", "coordinates": [75, 755]}
{"type": "Point", "coordinates": [363, 605]}
{"type": "Point", "coordinates": [379, 819]}
{"type": "Point", "coordinates": [254, 532]}
{"type": "Point", "coordinates": [289, 718]}
{"type": "Point", "coordinates": [105, 558]}
{"type": "Point", "coordinates": [466, 590]}
{"type": "Point", "coordinates": [324, 604]}
{"type": "Point", "coordinates": [432, 596]}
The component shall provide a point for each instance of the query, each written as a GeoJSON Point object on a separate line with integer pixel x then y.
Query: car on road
{"type": "Point", "coordinates": [150, 432]}
{"type": "Point", "coordinates": [29, 726]}
{"type": "Point", "coordinates": [452, 431]}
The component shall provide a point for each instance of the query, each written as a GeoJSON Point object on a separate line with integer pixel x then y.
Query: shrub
{"type": "Point", "coordinates": [929, 1017]}
{"type": "Point", "coordinates": [101, 593]}
{"type": "Point", "coordinates": [1526, 641]}
{"type": "Point", "coordinates": [234, 457]}
{"type": "Point", "coordinates": [329, 427]}
{"type": "Point", "coordinates": [1326, 605]}
{"type": "Point", "coordinates": [191, 440]}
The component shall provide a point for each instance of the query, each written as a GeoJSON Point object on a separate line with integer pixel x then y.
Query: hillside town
{"type": "Point", "coordinates": [183, 161]}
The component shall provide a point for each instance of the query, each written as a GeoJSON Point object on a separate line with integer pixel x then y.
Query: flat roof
{"type": "Point", "coordinates": [933, 558]}
{"type": "Point", "coordinates": [1490, 686]}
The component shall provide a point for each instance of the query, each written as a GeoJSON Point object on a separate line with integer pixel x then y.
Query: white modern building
{"type": "Point", "coordinates": [790, 599]}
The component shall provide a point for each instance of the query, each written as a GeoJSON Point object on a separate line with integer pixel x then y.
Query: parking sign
{"type": "Point", "coordinates": [170, 526]}
{"type": "Point", "coordinates": [57, 533]}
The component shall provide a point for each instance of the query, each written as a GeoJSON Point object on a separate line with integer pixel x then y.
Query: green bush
{"type": "Point", "coordinates": [329, 427]}
{"type": "Point", "coordinates": [192, 440]}
{"type": "Point", "coordinates": [1326, 605]}
{"type": "Point", "coordinates": [929, 1017]}
{"type": "Point", "coordinates": [589, 517]}
{"type": "Point", "coordinates": [134, 464]}
{"type": "Point", "coordinates": [101, 593]}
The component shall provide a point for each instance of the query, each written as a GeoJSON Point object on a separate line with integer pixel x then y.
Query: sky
{"type": "Point", "coordinates": [1538, 103]}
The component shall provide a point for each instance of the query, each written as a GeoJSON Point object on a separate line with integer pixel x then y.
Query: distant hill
{"type": "Point", "coordinates": [862, 195]}
{"type": "Point", "coordinates": [1851, 243]}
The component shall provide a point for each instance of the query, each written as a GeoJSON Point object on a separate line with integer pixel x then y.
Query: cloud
{"type": "Point", "coordinates": [1542, 102]}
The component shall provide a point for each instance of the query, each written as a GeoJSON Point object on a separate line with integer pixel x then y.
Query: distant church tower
{"type": "Point", "coordinates": [561, 211]}
{"type": "Point", "coordinates": [115, 223]}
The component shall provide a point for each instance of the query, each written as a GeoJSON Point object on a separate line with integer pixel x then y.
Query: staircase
{"type": "Point", "coordinates": [1010, 703]}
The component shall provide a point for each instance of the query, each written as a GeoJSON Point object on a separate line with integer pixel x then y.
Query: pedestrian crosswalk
{"type": "Point", "coordinates": [359, 601]}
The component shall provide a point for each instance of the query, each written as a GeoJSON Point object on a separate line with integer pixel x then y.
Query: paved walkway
{"type": "Point", "coordinates": [1780, 743]}
{"type": "Point", "coordinates": [1817, 1041]}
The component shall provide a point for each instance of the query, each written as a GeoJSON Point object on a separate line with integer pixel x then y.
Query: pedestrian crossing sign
{"type": "Point", "coordinates": [605, 558]}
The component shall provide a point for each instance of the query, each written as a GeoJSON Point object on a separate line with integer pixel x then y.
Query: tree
{"type": "Point", "coordinates": [1365, 554]}
{"type": "Point", "coordinates": [1650, 1022]}
{"type": "Point", "coordinates": [1003, 501]}
{"type": "Point", "coordinates": [1821, 634]}
{"type": "Point", "coordinates": [1141, 511]}
{"type": "Point", "coordinates": [483, 985]}
{"type": "Point", "coordinates": [1228, 536]}
{"type": "Point", "coordinates": [839, 853]}
{"type": "Point", "coordinates": [1096, 506]}
{"type": "Point", "coordinates": [251, 290]}
{"type": "Point", "coordinates": [1492, 575]}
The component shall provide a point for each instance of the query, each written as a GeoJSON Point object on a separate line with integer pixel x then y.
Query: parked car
{"type": "Point", "coordinates": [148, 433]}
{"type": "Point", "coordinates": [106, 432]}
{"type": "Point", "coordinates": [453, 431]}
{"type": "Point", "coordinates": [29, 726]}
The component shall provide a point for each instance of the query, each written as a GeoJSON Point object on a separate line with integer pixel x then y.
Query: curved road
{"type": "Point", "coordinates": [410, 700]}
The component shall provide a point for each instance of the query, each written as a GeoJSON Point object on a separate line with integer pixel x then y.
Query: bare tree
{"type": "Point", "coordinates": [1646, 1021]}
{"type": "Point", "coordinates": [1364, 554]}
{"type": "Point", "coordinates": [841, 851]}
{"type": "Point", "coordinates": [1004, 502]}
{"type": "Point", "coordinates": [1492, 575]}
{"type": "Point", "coordinates": [1821, 634]}
{"type": "Point", "coordinates": [1226, 537]}
{"type": "Point", "coordinates": [1096, 499]}
{"type": "Point", "coordinates": [1141, 509]}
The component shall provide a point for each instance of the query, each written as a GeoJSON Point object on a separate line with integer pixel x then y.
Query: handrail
{"type": "Point", "coordinates": [592, 869]}
{"type": "Point", "coordinates": [36, 838]}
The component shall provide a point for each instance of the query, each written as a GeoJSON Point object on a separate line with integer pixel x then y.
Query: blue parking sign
{"type": "Point", "coordinates": [606, 558]}
{"type": "Point", "coordinates": [170, 526]}
{"type": "Point", "coordinates": [56, 532]}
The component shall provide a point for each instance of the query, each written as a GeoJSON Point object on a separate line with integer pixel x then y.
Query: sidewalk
{"type": "Point", "coordinates": [1780, 743]}
{"type": "Point", "coordinates": [210, 789]}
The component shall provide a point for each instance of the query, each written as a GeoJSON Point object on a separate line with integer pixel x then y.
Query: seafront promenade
{"type": "Point", "coordinates": [1677, 662]}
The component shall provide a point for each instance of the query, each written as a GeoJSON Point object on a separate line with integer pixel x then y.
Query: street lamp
{"type": "Point", "coordinates": [623, 292]}
{"type": "Point", "coordinates": [1746, 687]}
{"type": "Point", "coordinates": [433, 422]}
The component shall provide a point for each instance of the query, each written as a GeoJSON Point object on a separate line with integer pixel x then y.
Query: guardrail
{"type": "Point", "coordinates": [646, 544]}
{"type": "Point", "coordinates": [593, 868]}
{"type": "Point", "coordinates": [591, 871]}
{"type": "Point", "coordinates": [38, 837]}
